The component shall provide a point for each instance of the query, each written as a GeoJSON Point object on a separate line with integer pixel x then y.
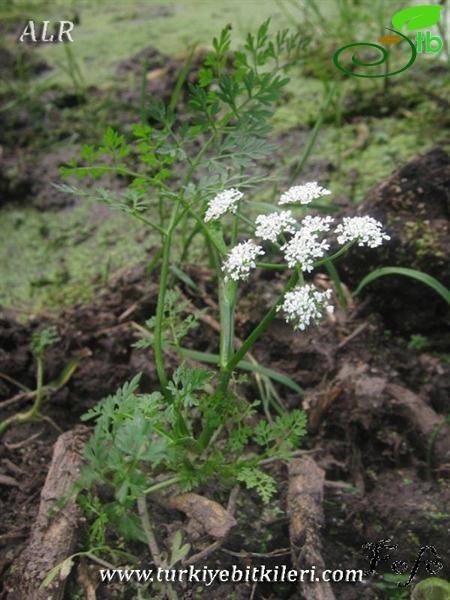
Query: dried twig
{"type": "Point", "coordinates": [25, 442]}
{"type": "Point", "coordinates": [305, 496]}
{"type": "Point", "coordinates": [55, 530]}
{"type": "Point", "coordinates": [22, 387]}
{"type": "Point", "coordinates": [21, 396]}
{"type": "Point", "coordinates": [352, 336]}
{"type": "Point", "coordinates": [8, 481]}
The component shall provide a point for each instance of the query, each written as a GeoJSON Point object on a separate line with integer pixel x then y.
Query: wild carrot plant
{"type": "Point", "coordinates": [198, 176]}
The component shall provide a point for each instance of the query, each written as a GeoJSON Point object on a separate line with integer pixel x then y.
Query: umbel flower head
{"type": "Point", "coordinates": [305, 305]}
{"type": "Point", "coordinates": [222, 203]}
{"type": "Point", "coordinates": [366, 231]}
{"type": "Point", "coordinates": [303, 249]}
{"type": "Point", "coordinates": [303, 194]}
{"type": "Point", "coordinates": [316, 224]}
{"type": "Point", "coordinates": [269, 227]}
{"type": "Point", "coordinates": [241, 259]}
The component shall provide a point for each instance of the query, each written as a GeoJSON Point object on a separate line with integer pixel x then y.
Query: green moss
{"type": "Point", "coordinates": [55, 259]}
{"type": "Point", "coordinates": [424, 239]}
{"type": "Point", "coordinates": [110, 32]}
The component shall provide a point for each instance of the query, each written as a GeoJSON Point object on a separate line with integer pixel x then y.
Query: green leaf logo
{"type": "Point", "coordinates": [417, 17]}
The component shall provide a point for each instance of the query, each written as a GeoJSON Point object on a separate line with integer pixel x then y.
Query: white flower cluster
{"type": "Point", "coordinates": [303, 194]}
{"type": "Point", "coordinates": [222, 203]}
{"type": "Point", "coordinates": [241, 259]}
{"type": "Point", "coordinates": [317, 224]}
{"type": "Point", "coordinates": [305, 305]}
{"type": "Point", "coordinates": [367, 231]}
{"type": "Point", "coordinates": [303, 249]}
{"type": "Point", "coordinates": [305, 243]}
{"type": "Point", "coordinates": [269, 227]}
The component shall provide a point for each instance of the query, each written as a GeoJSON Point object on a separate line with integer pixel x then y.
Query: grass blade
{"type": "Point", "coordinates": [213, 359]}
{"type": "Point", "coordinates": [424, 278]}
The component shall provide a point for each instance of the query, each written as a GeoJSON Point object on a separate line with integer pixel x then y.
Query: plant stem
{"type": "Point", "coordinates": [259, 329]}
{"type": "Point", "coordinates": [159, 318]}
{"type": "Point", "coordinates": [162, 484]}
{"type": "Point", "coordinates": [227, 302]}
{"type": "Point", "coordinates": [34, 411]}
{"type": "Point", "coordinates": [227, 370]}
{"type": "Point", "coordinates": [149, 533]}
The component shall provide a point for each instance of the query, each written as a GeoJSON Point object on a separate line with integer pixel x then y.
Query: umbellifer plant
{"type": "Point", "coordinates": [198, 177]}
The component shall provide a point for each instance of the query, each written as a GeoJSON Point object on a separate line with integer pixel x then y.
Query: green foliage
{"type": "Point", "coordinates": [230, 111]}
{"type": "Point", "coordinates": [283, 435]}
{"type": "Point", "coordinates": [139, 439]}
{"type": "Point", "coordinates": [417, 342]}
{"type": "Point", "coordinates": [179, 320]}
{"type": "Point", "coordinates": [424, 278]}
{"type": "Point", "coordinates": [389, 585]}
{"type": "Point", "coordinates": [256, 479]}
{"type": "Point", "coordinates": [43, 339]}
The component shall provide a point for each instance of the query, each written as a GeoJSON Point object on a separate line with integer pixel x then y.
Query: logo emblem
{"type": "Point", "coordinates": [414, 18]}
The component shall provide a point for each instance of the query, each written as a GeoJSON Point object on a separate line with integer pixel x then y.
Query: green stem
{"type": "Point", "coordinates": [227, 370]}
{"type": "Point", "coordinates": [227, 302]}
{"type": "Point", "coordinates": [271, 266]}
{"type": "Point", "coordinates": [162, 484]}
{"type": "Point", "coordinates": [159, 317]}
{"type": "Point", "coordinates": [35, 409]}
{"type": "Point", "coordinates": [257, 331]}
{"type": "Point", "coordinates": [334, 256]}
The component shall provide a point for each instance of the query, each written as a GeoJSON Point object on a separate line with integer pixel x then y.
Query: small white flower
{"type": "Point", "coordinates": [305, 305]}
{"type": "Point", "coordinates": [367, 231]}
{"type": "Point", "coordinates": [241, 259]}
{"type": "Point", "coordinates": [316, 224]}
{"type": "Point", "coordinates": [222, 203]}
{"type": "Point", "coordinates": [269, 227]}
{"type": "Point", "coordinates": [304, 194]}
{"type": "Point", "coordinates": [303, 249]}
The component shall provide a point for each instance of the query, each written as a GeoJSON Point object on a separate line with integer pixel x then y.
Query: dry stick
{"type": "Point", "coordinates": [54, 532]}
{"type": "Point", "coordinates": [22, 387]}
{"type": "Point", "coordinates": [51, 422]}
{"type": "Point", "coordinates": [231, 507]}
{"type": "Point", "coordinates": [17, 398]}
{"type": "Point", "coordinates": [8, 481]}
{"type": "Point", "coordinates": [304, 500]}
{"type": "Point", "coordinates": [352, 336]}
{"type": "Point", "coordinates": [24, 442]}
{"type": "Point", "coordinates": [13, 467]}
